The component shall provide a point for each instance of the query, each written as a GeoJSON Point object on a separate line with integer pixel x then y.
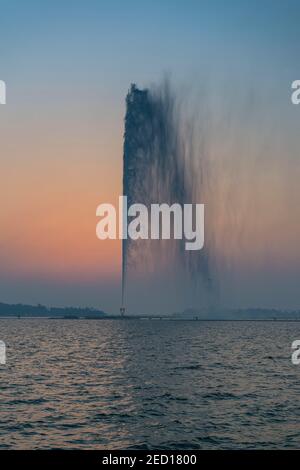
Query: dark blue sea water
{"type": "Point", "coordinates": [149, 385]}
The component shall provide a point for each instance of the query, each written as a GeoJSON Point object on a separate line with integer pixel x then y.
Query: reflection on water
{"type": "Point", "coordinates": [148, 384]}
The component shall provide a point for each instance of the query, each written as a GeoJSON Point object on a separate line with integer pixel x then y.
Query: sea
{"type": "Point", "coordinates": [149, 384]}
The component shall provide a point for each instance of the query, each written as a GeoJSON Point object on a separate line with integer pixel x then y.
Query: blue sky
{"type": "Point", "coordinates": [68, 66]}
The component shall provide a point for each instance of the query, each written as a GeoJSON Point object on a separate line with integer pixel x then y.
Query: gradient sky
{"type": "Point", "coordinates": [68, 66]}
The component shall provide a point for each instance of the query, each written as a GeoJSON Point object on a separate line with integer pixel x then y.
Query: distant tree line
{"type": "Point", "coordinates": [23, 310]}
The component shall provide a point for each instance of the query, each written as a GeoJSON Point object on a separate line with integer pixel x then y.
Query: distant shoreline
{"type": "Point", "coordinates": [150, 318]}
{"type": "Point", "coordinates": [87, 313]}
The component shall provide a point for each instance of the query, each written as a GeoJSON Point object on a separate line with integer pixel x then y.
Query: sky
{"type": "Point", "coordinates": [68, 66]}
